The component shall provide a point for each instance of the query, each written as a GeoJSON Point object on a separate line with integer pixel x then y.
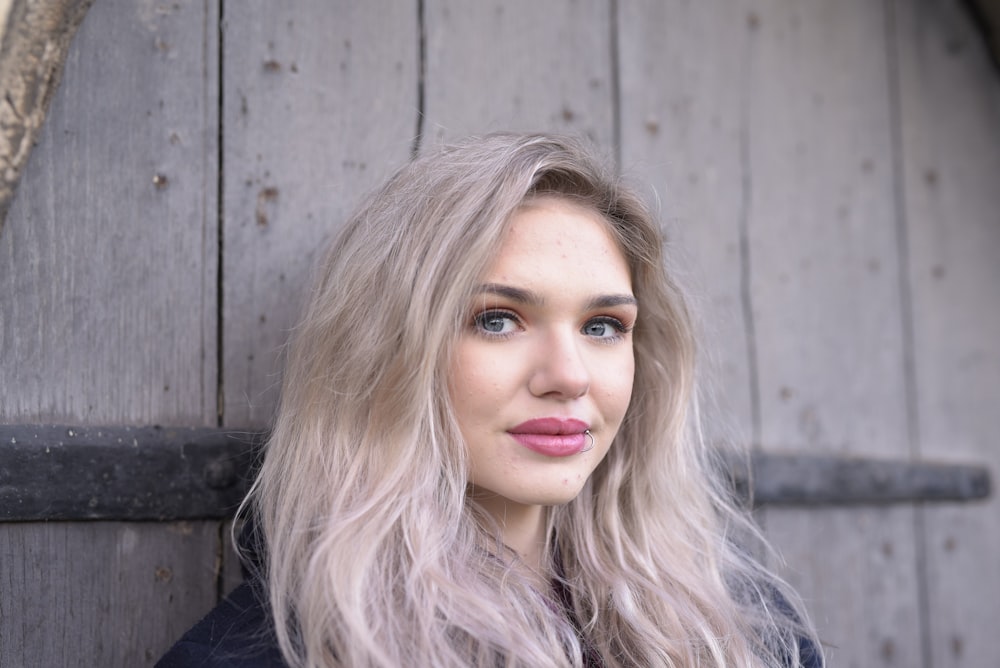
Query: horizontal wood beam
{"type": "Point", "coordinates": [122, 473]}
{"type": "Point", "coordinates": [172, 473]}
{"type": "Point", "coordinates": [793, 479]}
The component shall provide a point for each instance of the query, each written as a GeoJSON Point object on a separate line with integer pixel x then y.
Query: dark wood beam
{"type": "Point", "coordinates": [174, 473]}
{"type": "Point", "coordinates": [122, 473]}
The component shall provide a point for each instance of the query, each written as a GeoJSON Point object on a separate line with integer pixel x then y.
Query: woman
{"type": "Point", "coordinates": [483, 456]}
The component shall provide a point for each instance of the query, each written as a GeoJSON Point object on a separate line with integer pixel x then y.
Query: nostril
{"type": "Point", "coordinates": [564, 375]}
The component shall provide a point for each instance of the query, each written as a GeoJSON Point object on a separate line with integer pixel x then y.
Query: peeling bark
{"type": "Point", "coordinates": [34, 38]}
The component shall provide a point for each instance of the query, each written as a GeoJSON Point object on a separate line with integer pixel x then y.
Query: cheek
{"type": "Point", "coordinates": [461, 389]}
{"type": "Point", "coordinates": [475, 382]}
{"type": "Point", "coordinates": [616, 388]}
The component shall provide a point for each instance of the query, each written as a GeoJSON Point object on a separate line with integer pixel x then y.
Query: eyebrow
{"type": "Point", "coordinates": [532, 299]}
{"type": "Point", "coordinates": [604, 301]}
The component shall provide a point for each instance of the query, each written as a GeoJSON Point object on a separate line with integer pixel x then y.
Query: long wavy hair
{"type": "Point", "coordinates": [377, 556]}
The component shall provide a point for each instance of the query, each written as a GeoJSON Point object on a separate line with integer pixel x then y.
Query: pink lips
{"type": "Point", "coordinates": [552, 436]}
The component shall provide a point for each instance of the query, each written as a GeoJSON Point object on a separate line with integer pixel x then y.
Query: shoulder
{"type": "Point", "coordinates": [238, 632]}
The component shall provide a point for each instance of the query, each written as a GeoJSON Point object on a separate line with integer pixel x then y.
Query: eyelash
{"type": "Point", "coordinates": [617, 325]}
{"type": "Point", "coordinates": [480, 318]}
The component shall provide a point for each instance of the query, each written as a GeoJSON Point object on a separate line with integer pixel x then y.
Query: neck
{"type": "Point", "coordinates": [523, 528]}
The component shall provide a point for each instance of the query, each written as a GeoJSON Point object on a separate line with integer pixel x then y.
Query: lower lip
{"type": "Point", "coordinates": [552, 445]}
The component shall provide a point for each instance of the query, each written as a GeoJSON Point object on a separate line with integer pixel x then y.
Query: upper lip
{"type": "Point", "coordinates": [551, 425]}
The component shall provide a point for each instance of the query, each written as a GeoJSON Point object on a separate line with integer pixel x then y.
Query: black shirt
{"type": "Point", "coordinates": [239, 633]}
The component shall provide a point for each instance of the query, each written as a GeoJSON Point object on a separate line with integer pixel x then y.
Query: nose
{"type": "Point", "coordinates": [560, 369]}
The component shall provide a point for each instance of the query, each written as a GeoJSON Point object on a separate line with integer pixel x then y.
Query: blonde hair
{"type": "Point", "coordinates": [375, 554]}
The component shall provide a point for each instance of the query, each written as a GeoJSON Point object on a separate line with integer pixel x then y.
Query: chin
{"type": "Point", "coordinates": [560, 497]}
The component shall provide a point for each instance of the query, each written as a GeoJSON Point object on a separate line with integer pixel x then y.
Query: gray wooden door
{"type": "Point", "coordinates": [827, 173]}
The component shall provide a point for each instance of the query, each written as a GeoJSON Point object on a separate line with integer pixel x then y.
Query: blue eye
{"type": "Point", "coordinates": [604, 328]}
{"type": "Point", "coordinates": [495, 323]}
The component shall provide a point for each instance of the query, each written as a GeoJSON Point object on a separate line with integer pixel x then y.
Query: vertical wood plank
{"type": "Point", "coordinates": [107, 315]}
{"type": "Point", "coordinates": [320, 102]}
{"type": "Point", "coordinates": [683, 115]}
{"type": "Point", "coordinates": [827, 310]}
{"type": "Point", "coordinates": [519, 65]}
{"type": "Point", "coordinates": [950, 147]}
{"type": "Point", "coordinates": [107, 262]}
{"type": "Point", "coordinates": [101, 594]}
{"type": "Point", "coordinates": [765, 127]}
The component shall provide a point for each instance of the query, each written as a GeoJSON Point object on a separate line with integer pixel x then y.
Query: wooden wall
{"type": "Point", "coordinates": [108, 314]}
{"type": "Point", "coordinates": [828, 172]}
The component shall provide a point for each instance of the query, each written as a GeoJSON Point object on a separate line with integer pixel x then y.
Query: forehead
{"type": "Point", "coordinates": [555, 240]}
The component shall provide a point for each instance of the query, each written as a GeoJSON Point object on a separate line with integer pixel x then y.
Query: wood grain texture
{"type": "Point", "coordinates": [765, 127]}
{"type": "Point", "coordinates": [320, 102]}
{"type": "Point", "coordinates": [107, 315]}
{"type": "Point", "coordinates": [683, 124]}
{"type": "Point", "coordinates": [950, 144]}
{"type": "Point", "coordinates": [827, 312]}
{"type": "Point", "coordinates": [519, 65]}
{"type": "Point", "coordinates": [108, 261]}
{"type": "Point", "coordinates": [101, 594]}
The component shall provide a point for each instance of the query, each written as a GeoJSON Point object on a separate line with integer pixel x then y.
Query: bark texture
{"type": "Point", "coordinates": [34, 38]}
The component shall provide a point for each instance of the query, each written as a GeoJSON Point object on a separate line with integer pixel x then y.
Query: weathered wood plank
{"type": "Point", "coordinates": [106, 271]}
{"type": "Point", "coordinates": [518, 65]}
{"type": "Point", "coordinates": [683, 107]}
{"type": "Point", "coordinates": [107, 594]}
{"type": "Point", "coordinates": [765, 126]}
{"type": "Point", "coordinates": [107, 315]}
{"type": "Point", "coordinates": [950, 143]}
{"type": "Point", "coordinates": [320, 101]}
{"type": "Point", "coordinates": [827, 311]}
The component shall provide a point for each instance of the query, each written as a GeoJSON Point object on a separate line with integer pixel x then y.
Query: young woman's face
{"type": "Point", "coordinates": [546, 355]}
